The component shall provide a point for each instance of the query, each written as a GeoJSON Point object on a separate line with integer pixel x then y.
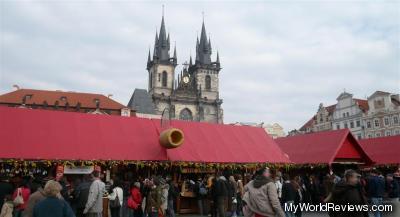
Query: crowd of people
{"type": "Point", "coordinates": [267, 193]}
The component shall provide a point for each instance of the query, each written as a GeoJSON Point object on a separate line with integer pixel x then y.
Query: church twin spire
{"type": "Point", "coordinates": [203, 48]}
{"type": "Point", "coordinates": [161, 50]}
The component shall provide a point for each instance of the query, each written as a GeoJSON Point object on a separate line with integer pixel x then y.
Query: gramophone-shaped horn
{"type": "Point", "coordinates": [171, 138]}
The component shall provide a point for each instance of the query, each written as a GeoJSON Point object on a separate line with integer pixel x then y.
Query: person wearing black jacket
{"type": "Point", "coordinates": [376, 189]}
{"type": "Point", "coordinates": [314, 189]}
{"type": "Point", "coordinates": [214, 197]}
{"type": "Point", "coordinates": [221, 192]}
{"type": "Point", "coordinates": [199, 190]}
{"type": "Point", "coordinates": [289, 194]}
{"type": "Point", "coordinates": [81, 195]}
{"type": "Point", "coordinates": [172, 195]}
{"type": "Point", "coordinates": [349, 191]}
{"type": "Point", "coordinates": [393, 190]}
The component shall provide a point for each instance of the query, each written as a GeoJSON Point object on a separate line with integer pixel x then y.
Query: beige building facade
{"type": "Point", "coordinates": [383, 116]}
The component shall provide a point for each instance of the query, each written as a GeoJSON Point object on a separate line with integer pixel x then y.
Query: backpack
{"type": "Point", "coordinates": [202, 190]}
{"type": "Point", "coordinates": [18, 200]}
{"type": "Point", "coordinates": [115, 203]}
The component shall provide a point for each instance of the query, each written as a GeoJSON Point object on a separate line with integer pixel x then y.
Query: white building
{"type": "Point", "coordinates": [349, 114]}
{"type": "Point", "coordinates": [274, 130]}
{"type": "Point", "coordinates": [383, 116]}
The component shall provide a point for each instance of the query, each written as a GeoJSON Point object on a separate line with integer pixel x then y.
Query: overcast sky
{"type": "Point", "coordinates": [279, 59]}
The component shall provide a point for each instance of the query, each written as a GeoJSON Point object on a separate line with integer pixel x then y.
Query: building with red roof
{"type": "Point", "coordinates": [65, 101]}
{"type": "Point", "coordinates": [327, 147]}
{"type": "Point", "coordinates": [375, 117]}
{"type": "Point", "coordinates": [383, 150]}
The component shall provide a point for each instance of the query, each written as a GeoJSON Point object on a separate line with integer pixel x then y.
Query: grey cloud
{"type": "Point", "coordinates": [279, 59]}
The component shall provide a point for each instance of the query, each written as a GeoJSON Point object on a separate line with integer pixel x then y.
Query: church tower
{"type": "Point", "coordinates": [207, 77]}
{"type": "Point", "coordinates": [161, 69]}
{"type": "Point", "coordinates": [193, 95]}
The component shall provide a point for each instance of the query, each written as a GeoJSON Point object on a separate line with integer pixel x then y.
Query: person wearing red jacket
{"type": "Point", "coordinates": [135, 200]}
{"type": "Point", "coordinates": [25, 192]}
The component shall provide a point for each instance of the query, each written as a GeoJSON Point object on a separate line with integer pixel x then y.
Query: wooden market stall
{"type": "Point", "coordinates": [28, 135]}
{"type": "Point", "coordinates": [333, 148]}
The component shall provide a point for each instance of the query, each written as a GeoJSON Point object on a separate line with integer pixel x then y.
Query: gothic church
{"type": "Point", "coordinates": [193, 94]}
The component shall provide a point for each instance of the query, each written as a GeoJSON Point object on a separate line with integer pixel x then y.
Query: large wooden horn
{"type": "Point", "coordinates": [171, 138]}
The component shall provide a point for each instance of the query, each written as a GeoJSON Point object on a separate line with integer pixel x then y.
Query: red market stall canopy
{"type": "Point", "coordinates": [383, 150]}
{"type": "Point", "coordinates": [49, 135]}
{"type": "Point", "coordinates": [327, 147]}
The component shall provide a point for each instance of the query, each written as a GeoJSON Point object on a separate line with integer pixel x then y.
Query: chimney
{"type": "Point", "coordinates": [16, 87]}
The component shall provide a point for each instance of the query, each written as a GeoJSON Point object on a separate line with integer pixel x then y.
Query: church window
{"type": "Point", "coordinates": [159, 77]}
{"type": "Point", "coordinates": [352, 124]}
{"type": "Point", "coordinates": [186, 115]}
{"type": "Point", "coordinates": [208, 82]}
{"type": "Point", "coordinates": [164, 78]}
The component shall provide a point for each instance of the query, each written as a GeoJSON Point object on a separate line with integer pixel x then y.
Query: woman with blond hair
{"type": "Point", "coordinates": [52, 206]}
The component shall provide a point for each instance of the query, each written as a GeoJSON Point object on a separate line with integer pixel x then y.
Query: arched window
{"type": "Point", "coordinates": [164, 78]}
{"type": "Point", "coordinates": [208, 82]}
{"type": "Point", "coordinates": [186, 115]}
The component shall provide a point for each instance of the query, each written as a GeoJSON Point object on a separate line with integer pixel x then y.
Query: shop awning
{"type": "Point", "coordinates": [55, 135]}
{"type": "Point", "coordinates": [327, 147]}
{"type": "Point", "coordinates": [383, 150]}
{"type": "Point", "coordinates": [225, 143]}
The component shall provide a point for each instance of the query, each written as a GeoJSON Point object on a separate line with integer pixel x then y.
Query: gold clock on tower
{"type": "Point", "coordinates": [186, 79]}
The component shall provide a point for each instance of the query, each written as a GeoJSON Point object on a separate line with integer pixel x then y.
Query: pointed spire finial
{"type": "Point", "coordinates": [148, 60]}
{"type": "Point", "coordinates": [218, 57]}
{"type": "Point", "coordinates": [163, 7]}
{"type": "Point", "coordinates": [202, 13]}
{"type": "Point", "coordinates": [175, 53]}
{"type": "Point", "coordinates": [148, 57]}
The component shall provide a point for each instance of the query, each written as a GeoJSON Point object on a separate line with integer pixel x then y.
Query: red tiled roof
{"type": "Point", "coordinates": [331, 108]}
{"type": "Point", "coordinates": [395, 101]}
{"type": "Point", "coordinates": [36, 134]}
{"type": "Point", "coordinates": [323, 147]}
{"type": "Point", "coordinates": [363, 104]}
{"type": "Point", "coordinates": [383, 150]}
{"type": "Point", "coordinates": [87, 100]}
{"type": "Point", "coordinates": [310, 123]}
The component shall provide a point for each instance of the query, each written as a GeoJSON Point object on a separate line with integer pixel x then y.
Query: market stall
{"type": "Point", "coordinates": [336, 149]}
{"type": "Point", "coordinates": [385, 151]}
{"type": "Point", "coordinates": [45, 139]}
